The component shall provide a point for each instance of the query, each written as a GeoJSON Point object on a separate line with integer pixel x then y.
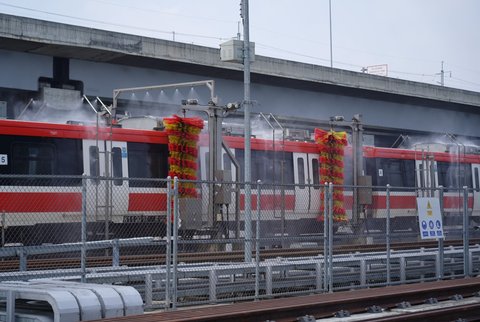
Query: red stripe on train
{"type": "Point", "coordinates": [410, 202]}
{"type": "Point", "coordinates": [269, 202]}
{"type": "Point", "coordinates": [40, 202]}
{"type": "Point", "coordinates": [147, 202]}
{"type": "Point", "coordinates": [30, 202]}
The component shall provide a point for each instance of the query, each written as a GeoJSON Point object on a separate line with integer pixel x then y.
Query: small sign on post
{"type": "Point", "coordinates": [430, 218]}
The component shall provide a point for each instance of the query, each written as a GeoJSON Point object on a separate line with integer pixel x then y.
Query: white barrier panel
{"type": "Point", "coordinates": [69, 301]}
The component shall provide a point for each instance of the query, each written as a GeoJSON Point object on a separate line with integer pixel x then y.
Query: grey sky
{"type": "Point", "coordinates": [412, 37]}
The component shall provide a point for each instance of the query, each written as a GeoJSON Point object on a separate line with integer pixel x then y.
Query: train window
{"type": "Point", "coordinates": [147, 161]}
{"type": "Point", "coordinates": [270, 168]}
{"type": "Point", "coordinates": [316, 174]}
{"type": "Point", "coordinates": [94, 156]}
{"type": "Point", "coordinates": [42, 156]}
{"type": "Point", "coordinates": [37, 159]}
{"type": "Point", "coordinates": [395, 172]}
{"type": "Point", "coordinates": [477, 180]}
{"type": "Point", "coordinates": [69, 159]}
{"type": "Point", "coordinates": [453, 176]}
{"type": "Point", "coordinates": [301, 173]}
{"type": "Point", "coordinates": [117, 166]}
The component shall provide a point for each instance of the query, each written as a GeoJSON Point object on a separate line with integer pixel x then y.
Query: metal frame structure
{"type": "Point", "coordinates": [210, 84]}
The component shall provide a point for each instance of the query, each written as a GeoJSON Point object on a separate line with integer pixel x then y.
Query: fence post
{"type": "Point", "coordinates": [175, 242]}
{"type": "Point", "coordinates": [466, 242]}
{"type": "Point", "coordinates": [330, 237]}
{"type": "Point", "coordinates": [83, 251]}
{"type": "Point", "coordinates": [115, 253]}
{"type": "Point", "coordinates": [440, 259]}
{"type": "Point", "coordinates": [22, 254]}
{"type": "Point", "coordinates": [325, 236]}
{"type": "Point", "coordinates": [10, 305]}
{"type": "Point", "coordinates": [148, 290]}
{"type": "Point", "coordinates": [257, 245]}
{"type": "Point", "coordinates": [388, 237]}
{"type": "Point", "coordinates": [168, 255]}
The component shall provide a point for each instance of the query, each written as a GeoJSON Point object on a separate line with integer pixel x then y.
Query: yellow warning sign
{"type": "Point", "coordinates": [429, 209]}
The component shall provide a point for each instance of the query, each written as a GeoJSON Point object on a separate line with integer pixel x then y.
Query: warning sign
{"type": "Point", "coordinates": [430, 218]}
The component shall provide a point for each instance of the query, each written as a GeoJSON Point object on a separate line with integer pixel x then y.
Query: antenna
{"type": "Point", "coordinates": [238, 31]}
{"type": "Point", "coordinates": [442, 75]}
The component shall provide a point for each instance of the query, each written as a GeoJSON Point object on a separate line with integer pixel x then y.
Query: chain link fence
{"type": "Point", "coordinates": [206, 249]}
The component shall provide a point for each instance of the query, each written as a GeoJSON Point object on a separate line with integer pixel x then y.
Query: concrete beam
{"type": "Point", "coordinates": [57, 39]}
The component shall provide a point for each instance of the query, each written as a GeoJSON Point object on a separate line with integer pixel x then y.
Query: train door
{"type": "Point", "coordinates": [314, 179]}
{"type": "Point", "coordinates": [476, 186]}
{"type": "Point", "coordinates": [107, 192]}
{"type": "Point", "coordinates": [227, 164]}
{"type": "Point", "coordinates": [426, 176]}
{"type": "Point", "coordinates": [300, 176]}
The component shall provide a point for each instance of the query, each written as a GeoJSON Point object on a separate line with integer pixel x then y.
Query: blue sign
{"type": "Point", "coordinates": [424, 224]}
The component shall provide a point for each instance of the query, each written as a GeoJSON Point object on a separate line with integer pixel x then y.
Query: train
{"type": "Point", "coordinates": [41, 165]}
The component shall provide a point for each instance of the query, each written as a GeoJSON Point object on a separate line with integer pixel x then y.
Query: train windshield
{"type": "Point", "coordinates": [269, 167]}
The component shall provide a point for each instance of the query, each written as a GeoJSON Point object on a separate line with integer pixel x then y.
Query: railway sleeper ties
{"type": "Point", "coordinates": [8, 263]}
{"type": "Point", "coordinates": [444, 310]}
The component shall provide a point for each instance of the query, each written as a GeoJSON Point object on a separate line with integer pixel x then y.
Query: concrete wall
{"type": "Point", "coordinates": [22, 70]}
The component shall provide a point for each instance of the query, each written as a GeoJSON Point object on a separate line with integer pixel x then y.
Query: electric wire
{"type": "Point", "coordinates": [111, 23]}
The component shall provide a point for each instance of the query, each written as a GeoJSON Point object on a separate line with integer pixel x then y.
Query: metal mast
{"type": "Point", "coordinates": [247, 107]}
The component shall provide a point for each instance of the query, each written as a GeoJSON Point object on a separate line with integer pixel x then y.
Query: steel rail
{"type": "Point", "coordinates": [462, 312]}
{"type": "Point", "coordinates": [327, 305]}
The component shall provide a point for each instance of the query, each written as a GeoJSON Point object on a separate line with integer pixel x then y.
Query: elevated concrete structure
{"type": "Point", "coordinates": [101, 61]}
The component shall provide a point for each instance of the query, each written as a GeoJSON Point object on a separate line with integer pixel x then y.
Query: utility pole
{"type": "Point", "coordinates": [442, 75]}
{"type": "Point", "coordinates": [331, 46]}
{"type": "Point", "coordinates": [247, 107]}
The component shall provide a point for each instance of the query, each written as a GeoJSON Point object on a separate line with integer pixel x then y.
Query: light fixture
{"type": "Point", "coordinates": [337, 118]}
{"type": "Point", "coordinates": [190, 101]}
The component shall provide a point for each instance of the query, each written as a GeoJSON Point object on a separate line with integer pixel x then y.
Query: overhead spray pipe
{"type": "Point", "coordinates": [210, 84]}
{"type": "Point", "coordinates": [459, 145]}
{"type": "Point", "coordinates": [282, 176]}
{"type": "Point", "coordinates": [273, 167]}
{"type": "Point", "coordinates": [104, 106]}
{"type": "Point", "coordinates": [25, 108]}
{"type": "Point", "coordinates": [89, 103]}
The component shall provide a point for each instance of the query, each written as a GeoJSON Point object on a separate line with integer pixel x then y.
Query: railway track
{"type": "Point", "coordinates": [356, 304]}
{"type": "Point", "coordinates": [55, 262]}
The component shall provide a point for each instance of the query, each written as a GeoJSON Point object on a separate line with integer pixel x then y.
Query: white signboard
{"type": "Point", "coordinates": [380, 70]}
{"type": "Point", "coordinates": [430, 218]}
{"type": "Point", "coordinates": [3, 159]}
